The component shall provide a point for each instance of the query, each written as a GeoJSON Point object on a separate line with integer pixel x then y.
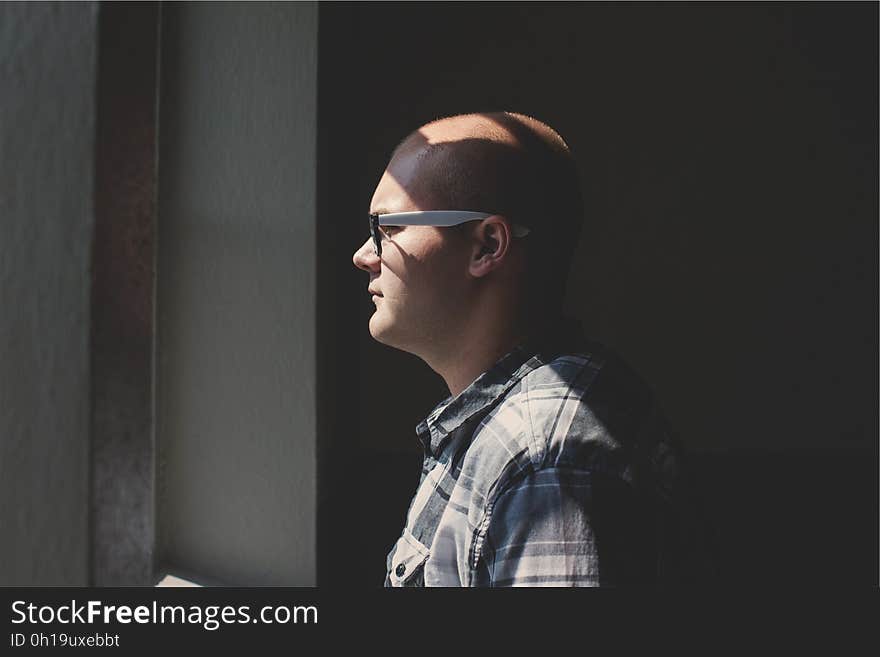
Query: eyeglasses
{"type": "Point", "coordinates": [428, 218]}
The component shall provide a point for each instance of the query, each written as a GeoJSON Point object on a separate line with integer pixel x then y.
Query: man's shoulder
{"type": "Point", "coordinates": [583, 402]}
{"type": "Point", "coordinates": [579, 409]}
{"type": "Point", "coordinates": [568, 373]}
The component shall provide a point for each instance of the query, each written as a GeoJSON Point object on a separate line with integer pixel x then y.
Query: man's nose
{"type": "Point", "coordinates": [365, 257]}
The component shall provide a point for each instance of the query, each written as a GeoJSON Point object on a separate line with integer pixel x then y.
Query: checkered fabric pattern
{"type": "Point", "coordinates": [551, 469]}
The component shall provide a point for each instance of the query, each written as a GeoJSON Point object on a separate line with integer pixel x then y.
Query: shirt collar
{"type": "Point", "coordinates": [491, 385]}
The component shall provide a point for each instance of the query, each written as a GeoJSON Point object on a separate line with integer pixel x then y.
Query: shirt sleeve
{"type": "Point", "coordinates": [565, 527]}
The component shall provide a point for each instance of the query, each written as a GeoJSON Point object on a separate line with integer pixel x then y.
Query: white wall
{"type": "Point", "coordinates": [235, 377]}
{"type": "Point", "coordinates": [47, 78]}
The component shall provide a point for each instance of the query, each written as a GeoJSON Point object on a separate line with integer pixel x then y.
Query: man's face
{"type": "Point", "coordinates": [419, 285]}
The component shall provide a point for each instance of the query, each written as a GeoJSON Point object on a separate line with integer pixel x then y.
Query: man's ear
{"type": "Point", "coordinates": [490, 245]}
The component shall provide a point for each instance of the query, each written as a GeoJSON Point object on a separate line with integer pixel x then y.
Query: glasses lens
{"type": "Point", "coordinates": [374, 233]}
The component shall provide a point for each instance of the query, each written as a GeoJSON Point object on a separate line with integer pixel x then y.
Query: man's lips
{"type": "Point", "coordinates": [375, 293]}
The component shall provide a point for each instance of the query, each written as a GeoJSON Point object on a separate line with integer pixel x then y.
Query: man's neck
{"type": "Point", "coordinates": [475, 354]}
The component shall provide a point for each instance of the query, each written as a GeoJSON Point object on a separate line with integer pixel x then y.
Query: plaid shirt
{"type": "Point", "coordinates": [551, 469]}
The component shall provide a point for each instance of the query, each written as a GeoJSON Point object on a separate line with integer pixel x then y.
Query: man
{"type": "Point", "coordinates": [549, 463]}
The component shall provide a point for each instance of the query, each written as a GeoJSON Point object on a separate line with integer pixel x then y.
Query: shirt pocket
{"type": "Point", "coordinates": [406, 563]}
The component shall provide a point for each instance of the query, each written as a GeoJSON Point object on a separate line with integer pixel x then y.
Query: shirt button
{"type": "Point", "coordinates": [401, 569]}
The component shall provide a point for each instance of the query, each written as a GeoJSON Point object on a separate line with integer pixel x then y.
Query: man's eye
{"type": "Point", "coordinates": [390, 230]}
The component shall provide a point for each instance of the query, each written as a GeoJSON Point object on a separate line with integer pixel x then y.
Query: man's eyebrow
{"type": "Point", "coordinates": [381, 211]}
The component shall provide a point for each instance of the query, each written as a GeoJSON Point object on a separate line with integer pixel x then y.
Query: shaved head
{"type": "Point", "coordinates": [503, 163]}
{"type": "Point", "coordinates": [499, 162]}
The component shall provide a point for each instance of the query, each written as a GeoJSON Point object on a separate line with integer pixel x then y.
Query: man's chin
{"type": "Point", "coordinates": [384, 333]}
{"type": "Point", "coordinates": [379, 331]}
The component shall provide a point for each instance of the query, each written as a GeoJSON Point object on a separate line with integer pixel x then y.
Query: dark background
{"type": "Point", "coordinates": [728, 155]}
